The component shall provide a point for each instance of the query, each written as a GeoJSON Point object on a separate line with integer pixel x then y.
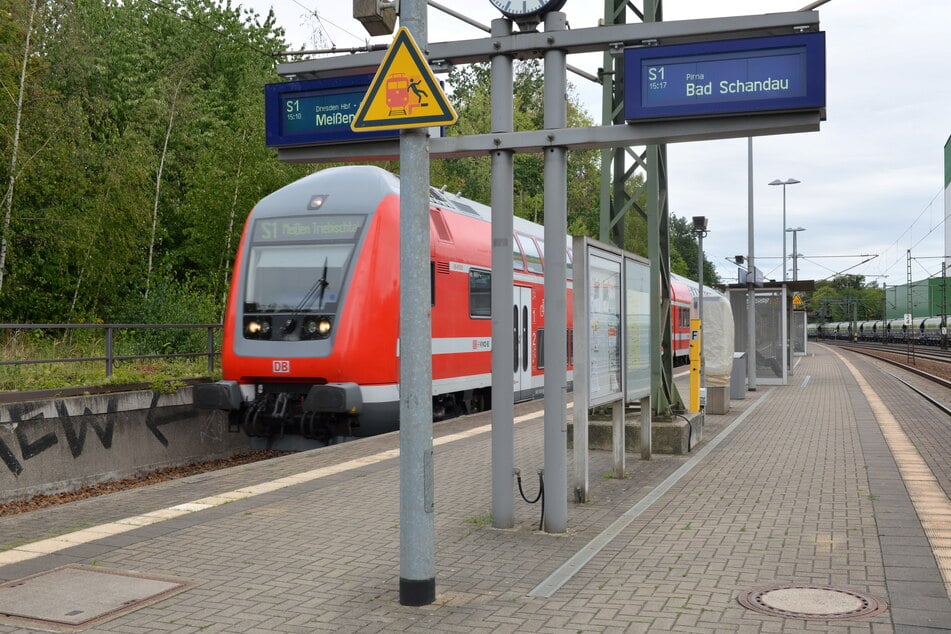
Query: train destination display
{"type": "Point", "coordinates": [306, 228]}
{"type": "Point", "coordinates": [766, 74]}
{"type": "Point", "coordinates": [316, 111]}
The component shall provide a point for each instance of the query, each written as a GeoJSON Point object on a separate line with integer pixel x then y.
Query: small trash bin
{"type": "Point", "coordinates": [738, 376]}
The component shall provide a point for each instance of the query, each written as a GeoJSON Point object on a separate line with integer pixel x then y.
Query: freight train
{"type": "Point", "coordinates": [311, 330]}
{"type": "Point", "coordinates": [923, 330]}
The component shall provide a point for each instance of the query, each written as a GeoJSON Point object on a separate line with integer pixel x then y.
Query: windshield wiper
{"type": "Point", "coordinates": [323, 284]}
{"type": "Point", "coordinates": [316, 292]}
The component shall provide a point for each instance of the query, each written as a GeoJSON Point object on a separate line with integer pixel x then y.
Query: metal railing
{"type": "Point", "coordinates": [109, 356]}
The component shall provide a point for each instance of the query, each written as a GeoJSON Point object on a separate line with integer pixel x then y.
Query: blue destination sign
{"type": "Point", "coordinates": [317, 111]}
{"type": "Point", "coordinates": [764, 74]}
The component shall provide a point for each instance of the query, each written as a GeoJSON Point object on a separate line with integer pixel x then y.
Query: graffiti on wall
{"type": "Point", "coordinates": [75, 429]}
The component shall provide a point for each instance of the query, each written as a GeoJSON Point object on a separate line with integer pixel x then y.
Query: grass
{"type": "Point", "coordinates": [480, 521]}
{"type": "Point", "coordinates": [38, 345]}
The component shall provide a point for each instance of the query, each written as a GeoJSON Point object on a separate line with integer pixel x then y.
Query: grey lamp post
{"type": "Point", "coordinates": [788, 181]}
{"type": "Point", "coordinates": [795, 252]}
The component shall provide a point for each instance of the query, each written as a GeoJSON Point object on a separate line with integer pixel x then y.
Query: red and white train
{"type": "Point", "coordinates": [310, 346]}
{"type": "Point", "coordinates": [310, 342]}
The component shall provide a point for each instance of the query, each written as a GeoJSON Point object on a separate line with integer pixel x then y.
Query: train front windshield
{"type": "Point", "coordinates": [298, 264]}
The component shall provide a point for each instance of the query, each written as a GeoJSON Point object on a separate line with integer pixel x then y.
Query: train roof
{"type": "Point", "coordinates": [448, 200]}
{"type": "Point", "coordinates": [692, 285]}
{"type": "Point", "coordinates": [352, 188]}
{"type": "Point", "coordinates": [356, 188]}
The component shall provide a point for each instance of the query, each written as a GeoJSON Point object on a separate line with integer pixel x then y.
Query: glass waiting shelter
{"type": "Point", "coordinates": [780, 328]}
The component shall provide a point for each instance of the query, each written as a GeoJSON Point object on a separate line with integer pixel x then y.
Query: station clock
{"type": "Point", "coordinates": [527, 10]}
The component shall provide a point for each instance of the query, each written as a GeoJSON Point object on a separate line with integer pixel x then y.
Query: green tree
{"type": "Point", "coordinates": [684, 249]}
{"type": "Point", "coordinates": [138, 113]}
{"type": "Point", "coordinates": [472, 177]}
{"type": "Point", "coordinates": [846, 296]}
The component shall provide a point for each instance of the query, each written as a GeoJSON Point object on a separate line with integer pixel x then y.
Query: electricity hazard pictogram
{"type": "Point", "coordinates": [796, 300]}
{"type": "Point", "coordinates": [404, 92]}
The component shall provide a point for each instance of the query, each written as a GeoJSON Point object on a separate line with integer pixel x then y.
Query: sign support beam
{"type": "Point", "coordinates": [648, 133]}
{"type": "Point", "coordinates": [587, 40]}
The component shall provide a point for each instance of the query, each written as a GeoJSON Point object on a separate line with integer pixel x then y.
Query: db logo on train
{"type": "Point", "coordinates": [281, 366]}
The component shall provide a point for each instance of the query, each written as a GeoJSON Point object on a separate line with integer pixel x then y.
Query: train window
{"type": "Point", "coordinates": [480, 293]}
{"type": "Point", "coordinates": [515, 335]}
{"type": "Point", "coordinates": [533, 256]}
{"type": "Point", "coordinates": [296, 277]}
{"type": "Point", "coordinates": [299, 263]}
{"type": "Point", "coordinates": [525, 341]}
{"type": "Point", "coordinates": [518, 258]}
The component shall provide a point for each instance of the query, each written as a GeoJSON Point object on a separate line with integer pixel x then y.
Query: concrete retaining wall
{"type": "Point", "coordinates": [64, 444]}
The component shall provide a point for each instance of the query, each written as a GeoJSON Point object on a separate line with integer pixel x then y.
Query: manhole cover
{"type": "Point", "coordinates": [74, 597]}
{"type": "Point", "coordinates": [812, 602]}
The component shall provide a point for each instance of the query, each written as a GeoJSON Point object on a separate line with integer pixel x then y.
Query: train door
{"type": "Point", "coordinates": [522, 340]}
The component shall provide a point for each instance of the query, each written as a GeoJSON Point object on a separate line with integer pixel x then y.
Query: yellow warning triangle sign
{"type": "Point", "coordinates": [404, 92]}
{"type": "Point", "coordinates": [796, 300]}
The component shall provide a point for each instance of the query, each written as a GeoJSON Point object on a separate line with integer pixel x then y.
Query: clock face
{"type": "Point", "coordinates": [524, 8]}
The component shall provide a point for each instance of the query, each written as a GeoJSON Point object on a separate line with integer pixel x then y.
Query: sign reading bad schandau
{"type": "Point", "coordinates": [782, 73]}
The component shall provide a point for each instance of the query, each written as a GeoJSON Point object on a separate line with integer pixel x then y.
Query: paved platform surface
{"type": "Point", "coordinates": [796, 485]}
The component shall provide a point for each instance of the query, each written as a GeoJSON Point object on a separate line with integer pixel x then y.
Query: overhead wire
{"type": "Point", "coordinates": [895, 244]}
{"type": "Point", "coordinates": [321, 20]}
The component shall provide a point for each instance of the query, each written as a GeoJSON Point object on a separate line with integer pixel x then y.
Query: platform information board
{"type": "Point", "coordinates": [604, 323]}
{"type": "Point", "coordinates": [317, 111]}
{"type": "Point", "coordinates": [764, 74]}
{"type": "Point", "coordinates": [637, 315]}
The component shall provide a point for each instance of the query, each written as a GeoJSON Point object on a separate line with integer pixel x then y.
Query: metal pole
{"type": "Point", "coordinates": [211, 348]}
{"type": "Point", "coordinates": [784, 233]}
{"type": "Point", "coordinates": [703, 383]}
{"type": "Point", "coordinates": [944, 304]}
{"type": "Point", "coordinates": [417, 526]}
{"type": "Point", "coordinates": [503, 323]}
{"type": "Point", "coordinates": [108, 352]}
{"type": "Point", "coordinates": [750, 278]}
{"type": "Point", "coordinates": [795, 257]}
{"type": "Point", "coordinates": [556, 270]}
{"type": "Point", "coordinates": [884, 310]}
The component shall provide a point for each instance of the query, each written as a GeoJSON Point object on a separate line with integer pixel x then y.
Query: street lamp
{"type": "Point", "coordinates": [795, 252]}
{"type": "Point", "coordinates": [788, 181]}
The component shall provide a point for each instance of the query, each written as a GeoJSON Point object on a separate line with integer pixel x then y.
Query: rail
{"type": "Point", "coordinates": [109, 356]}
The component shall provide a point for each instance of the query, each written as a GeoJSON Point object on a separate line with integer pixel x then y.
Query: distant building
{"type": "Point", "coordinates": [947, 201]}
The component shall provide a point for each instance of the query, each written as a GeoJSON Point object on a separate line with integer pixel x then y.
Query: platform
{"type": "Point", "coordinates": [793, 503]}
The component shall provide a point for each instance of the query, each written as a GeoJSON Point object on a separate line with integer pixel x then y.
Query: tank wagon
{"type": "Point", "coordinates": [922, 331]}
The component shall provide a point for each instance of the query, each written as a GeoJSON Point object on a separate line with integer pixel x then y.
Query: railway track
{"type": "Point", "coordinates": [933, 364]}
{"type": "Point", "coordinates": [911, 351]}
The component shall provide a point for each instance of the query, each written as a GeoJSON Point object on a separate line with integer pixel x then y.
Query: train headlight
{"type": "Point", "coordinates": [317, 328]}
{"type": "Point", "coordinates": [255, 328]}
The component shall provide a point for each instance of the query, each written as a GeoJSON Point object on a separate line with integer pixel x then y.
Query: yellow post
{"type": "Point", "coordinates": [695, 341]}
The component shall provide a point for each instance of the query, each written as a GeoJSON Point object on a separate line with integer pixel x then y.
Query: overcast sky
{"type": "Point", "coordinates": [872, 180]}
